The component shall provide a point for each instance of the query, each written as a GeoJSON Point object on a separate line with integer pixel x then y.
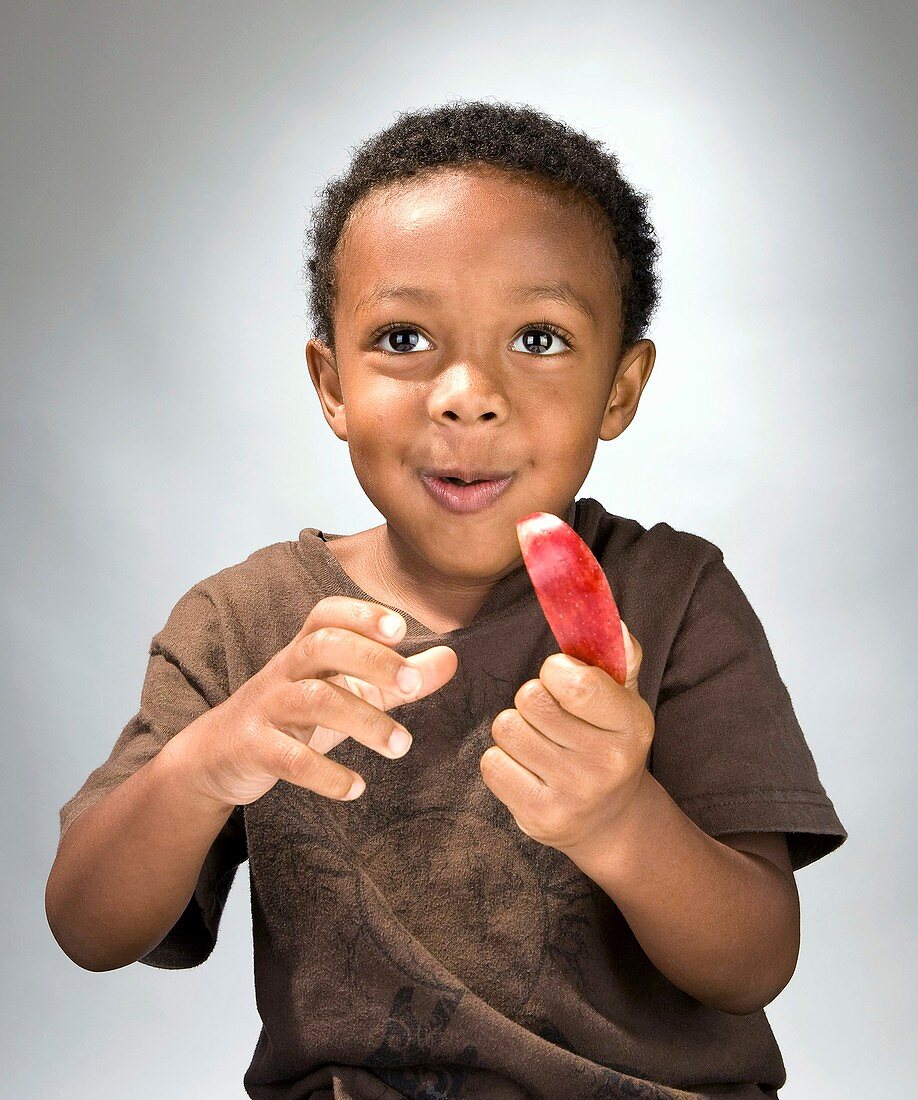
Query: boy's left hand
{"type": "Point", "coordinates": [569, 759]}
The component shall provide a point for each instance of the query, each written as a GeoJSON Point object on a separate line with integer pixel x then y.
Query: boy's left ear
{"type": "Point", "coordinates": [630, 380]}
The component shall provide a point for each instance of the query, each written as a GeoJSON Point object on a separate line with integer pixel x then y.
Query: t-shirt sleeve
{"type": "Point", "coordinates": [186, 675]}
{"type": "Point", "coordinates": [727, 746]}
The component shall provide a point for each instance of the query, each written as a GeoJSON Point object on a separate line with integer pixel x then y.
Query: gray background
{"type": "Point", "coordinates": [159, 164]}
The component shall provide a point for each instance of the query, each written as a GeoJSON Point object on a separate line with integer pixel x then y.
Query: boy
{"type": "Point", "coordinates": [567, 887]}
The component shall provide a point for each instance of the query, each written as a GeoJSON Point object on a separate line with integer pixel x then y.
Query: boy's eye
{"type": "Point", "coordinates": [546, 338]}
{"type": "Point", "coordinates": [403, 339]}
{"type": "Point", "coordinates": [538, 340]}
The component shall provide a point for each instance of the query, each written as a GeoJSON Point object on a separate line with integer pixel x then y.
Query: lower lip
{"type": "Point", "coordinates": [464, 498]}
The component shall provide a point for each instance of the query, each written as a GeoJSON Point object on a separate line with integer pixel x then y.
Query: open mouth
{"type": "Point", "coordinates": [460, 496]}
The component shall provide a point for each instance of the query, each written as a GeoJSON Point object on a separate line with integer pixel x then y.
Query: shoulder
{"type": "Point", "coordinates": [264, 568]}
{"type": "Point", "coordinates": [269, 592]}
{"type": "Point", "coordinates": [666, 559]}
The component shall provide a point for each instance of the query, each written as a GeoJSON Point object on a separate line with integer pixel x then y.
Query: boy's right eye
{"type": "Point", "coordinates": [402, 339]}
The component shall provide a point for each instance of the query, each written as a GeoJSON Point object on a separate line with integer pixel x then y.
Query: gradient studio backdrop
{"type": "Point", "coordinates": [159, 164]}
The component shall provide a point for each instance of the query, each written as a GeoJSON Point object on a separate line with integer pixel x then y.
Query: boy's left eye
{"type": "Point", "coordinates": [546, 336]}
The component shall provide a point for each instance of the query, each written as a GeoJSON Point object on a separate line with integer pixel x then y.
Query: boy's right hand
{"type": "Point", "coordinates": [334, 680]}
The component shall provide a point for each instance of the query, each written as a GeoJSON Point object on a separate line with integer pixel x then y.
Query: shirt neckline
{"type": "Point", "coordinates": [509, 590]}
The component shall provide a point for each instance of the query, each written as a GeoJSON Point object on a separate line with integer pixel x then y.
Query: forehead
{"type": "Point", "coordinates": [479, 219]}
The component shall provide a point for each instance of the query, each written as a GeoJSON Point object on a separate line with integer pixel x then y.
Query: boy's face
{"type": "Point", "coordinates": [461, 381]}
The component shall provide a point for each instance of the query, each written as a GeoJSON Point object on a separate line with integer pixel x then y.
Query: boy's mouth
{"type": "Point", "coordinates": [466, 476]}
{"type": "Point", "coordinates": [467, 493]}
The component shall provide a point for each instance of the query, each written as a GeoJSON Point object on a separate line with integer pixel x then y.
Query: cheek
{"type": "Point", "coordinates": [375, 420]}
{"type": "Point", "coordinates": [566, 438]}
{"type": "Point", "coordinates": [557, 412]}
{"type": "Point", "coordinates": [382, 439]}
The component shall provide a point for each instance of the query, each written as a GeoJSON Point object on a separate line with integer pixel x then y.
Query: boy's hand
{"type": "Point", "coordinates": [571, 756]}
{"type": "Point", "coordinates": [334, 680]}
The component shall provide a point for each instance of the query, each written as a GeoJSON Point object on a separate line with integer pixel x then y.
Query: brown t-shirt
{"type": "Point", "coordinates": [415, 942]}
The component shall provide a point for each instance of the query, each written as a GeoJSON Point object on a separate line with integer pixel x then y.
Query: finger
{"type": "Point", "coordinates": [634, 655]}
{"type": "Point", "coordinates": [330, 650]}
{"type": "Point", "coordinates": [583, 748]}
{"type": "Point", "coordinates": [510, 781]}
{"type": "Point", "coordinates": [361, 617]}
{"type": "Point", "coordinates": [437, 665]}
{"type": "Point", "coordinates": [532, 749]}
{"type": "Point", "coordinates": [299, 706]}
{"type": "Point", "coordinates": [546, 715]}
{"type": "Point", "coordinates": [289, 759]}
{"type": "Point", "coordinates": [591, 694]}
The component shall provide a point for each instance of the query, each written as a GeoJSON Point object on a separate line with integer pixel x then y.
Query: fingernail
{"type": "Point", "coordinates": [356, 789]}
{"type": "Point", "coordinates": [390, 625]}
{"type": "Point", "coordinates": [409, 680]}
{"type": "Point", "coordinates": [629, 645]}
{"type": "Point", "coordinates": [400, 742]}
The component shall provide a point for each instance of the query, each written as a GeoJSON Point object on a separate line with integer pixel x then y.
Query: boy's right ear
{"type": "Point", "coordinates": [318, 348]}
{"type": "Point", "coordinates": [323, 370]}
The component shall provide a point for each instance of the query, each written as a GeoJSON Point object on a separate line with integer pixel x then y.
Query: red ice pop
{"type": "Point", "coordinates": [574, 592]}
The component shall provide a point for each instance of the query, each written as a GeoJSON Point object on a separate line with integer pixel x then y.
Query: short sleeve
{"type": "Point", "coordinates": [185, 676]}
{"type": "Point", "coordinates": [727, 746]}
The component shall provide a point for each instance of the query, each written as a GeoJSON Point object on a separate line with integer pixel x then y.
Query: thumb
{"type": "Point", "coordinates": [633, 656]}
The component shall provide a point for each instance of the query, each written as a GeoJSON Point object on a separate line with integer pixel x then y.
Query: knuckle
{"type": "Point", "coordinates": [636, 719]}
{"type": "Point", "coordinates": [581, 690]}
{"type": "Point", "coordinates": [323, 636]}
{"type": "Point", "coordinates": [319, 610]}
{"type": "Point", "coordinates": [611, 760]}
{"type": "Point", "coordinates": [528, 693]}
{"type": "Point", "coordinates": [257, 709]}
{"type": "Point", "coordinates": [241, 742]}
{"type": "Point", "coordinates": [382, 660]}
{"type": "Point", "coordinates": [503, 725]}
{"type": "Point", "coordinates": [646, 724]}
{"type": "Point", "coordinates": [306, 644]}
{"type": "Point", "coordinates": [315, 692]}
{"type": "Point", "coordinates": [373, 721]}
{"type": "Point", "coordinates": [266, 680]}
{"type": "Point", "coordinates": [248, 729]}
{"type": "Point", "coordinates": [290, 758]}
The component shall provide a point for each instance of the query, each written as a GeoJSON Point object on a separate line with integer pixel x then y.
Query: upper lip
{"type": "Point", "coordinates": [466, 473]}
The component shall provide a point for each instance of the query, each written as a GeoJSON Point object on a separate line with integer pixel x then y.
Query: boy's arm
{"type": "Point", "coordinates": [721, 923]}
{"type": "Point", "coordinates": [128, 865]}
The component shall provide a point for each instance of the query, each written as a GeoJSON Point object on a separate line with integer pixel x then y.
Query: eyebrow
{"type": "Point", "coordinates": [557, 290]}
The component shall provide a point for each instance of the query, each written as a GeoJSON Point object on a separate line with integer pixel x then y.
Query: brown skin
{"type": "Point", "coordinates": [720, 923]}
{"type": "Point", "coordinates": [719, 917]}
{"type": "Point", "coordinates": [470, 390]}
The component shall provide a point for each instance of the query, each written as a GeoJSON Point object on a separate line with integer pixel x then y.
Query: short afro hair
{"type": "Point", "coordinates": [521, 141]}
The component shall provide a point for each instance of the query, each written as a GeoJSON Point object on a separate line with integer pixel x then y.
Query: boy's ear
{"type": "Point", "coordinates": [323, 370]}
{"type": "Point", "coordinates": [630, 380]}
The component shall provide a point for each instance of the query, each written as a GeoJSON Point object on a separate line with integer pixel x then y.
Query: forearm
{"type": "Point", "coordinates": [721, 925]}
{"type": "Point", "coordinates": [128, 865]}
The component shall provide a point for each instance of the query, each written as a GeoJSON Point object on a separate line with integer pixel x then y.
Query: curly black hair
{"type": "Point", "coordinates": [521, 141]}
